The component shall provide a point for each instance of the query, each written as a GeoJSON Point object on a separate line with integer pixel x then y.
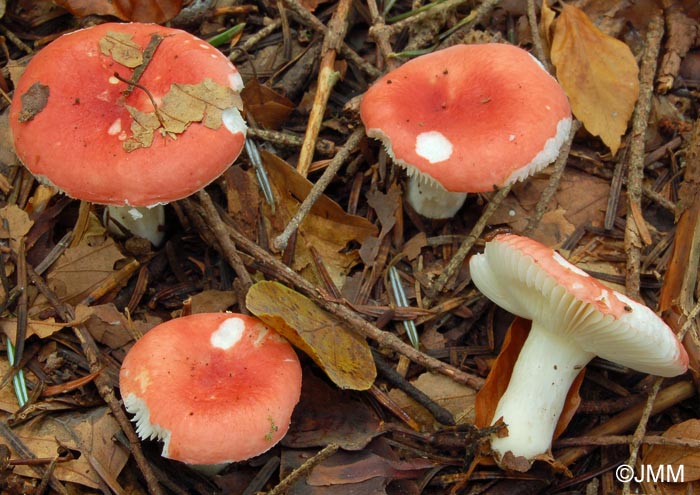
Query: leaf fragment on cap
{"type": "Point", "coordinates": [33, 101]}
{"type": "Point", "coordinates": [182, 105]}
{"type": "Point", "coordinates": [122, 49]}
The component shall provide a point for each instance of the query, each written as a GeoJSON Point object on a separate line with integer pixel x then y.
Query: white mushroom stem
{"type": "Point", "coordinates": [542, 376]}
{"type": "Point", "coordinates": [146, 222]}
{"type": "Point", "coordinates": [429, 199]}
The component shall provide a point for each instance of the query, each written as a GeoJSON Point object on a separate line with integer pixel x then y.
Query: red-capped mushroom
{"type": "Point", "coordinates": [469, 118]}
{"type": "Point", "coordinates": [214, 387]}
{"type": "Point", "coordinates": [80, 124]}
{"type": "Point", "coordinates": [574, 318]}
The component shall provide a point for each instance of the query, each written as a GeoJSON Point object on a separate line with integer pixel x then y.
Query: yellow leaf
{"type": "Point", "coordinates": [598, 73]}
{"type": "Point", "coordinates": [346, 358]}
{"type": "Point", "coordinates": [674, 464]}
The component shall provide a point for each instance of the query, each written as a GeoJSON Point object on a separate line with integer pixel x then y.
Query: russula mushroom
{"type": "Point", "coordinates": [214, 387]}
{"type": "Point", "coordinates": [131, 114]}
{"type": "Point", "coordinates": [468, 118]}
{"type": "Point", "coordinates": [574, 318]}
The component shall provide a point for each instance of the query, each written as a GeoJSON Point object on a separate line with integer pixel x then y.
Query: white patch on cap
{"type": "Point", "coordinates": [104, 96]}
{"type": "Point", "coordinates": [115, 128]}
{"type": "Point", "coordinates": [205, 46]}
{"type": "Point", "coordinates": [233, 121]}
{"type": "Point", "coordinates": [604, 298]}
{"type": "Point", "coordinates": [433, 146]}
{"type": "Point", "coordinates": [113, 80]}
{"type": "Point", "coordinates": [235, 81]}
{"type": "Point", "coordinates": [560, 259]}
{"type": "Point", "coordinates": [228, 334]}
{"type": "Point", "coordinates": [511, 137]}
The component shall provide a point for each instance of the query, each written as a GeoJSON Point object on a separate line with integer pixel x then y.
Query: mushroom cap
{"type": "Point", "coordinates": [215, 387]}
{"type": "Point", "coordinates": [76, 139]}
{"type": "Point", "coordinates": [531, 280]}
{"type": "Point", "coordinates": [471, 117]}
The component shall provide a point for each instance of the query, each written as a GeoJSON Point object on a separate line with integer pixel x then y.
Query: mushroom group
{"type": "Point", "coordinates": [574, 318]}
{"type": "Point", "coordinates": [468, 118]}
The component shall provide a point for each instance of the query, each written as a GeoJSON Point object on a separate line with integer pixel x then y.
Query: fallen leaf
{"type": "Point", "coordinates": [672, 460]}
{"type": "Point", "coordinates": [345, 468]}
{"type": "Point", "coordinates": [327, 228]}
{"type": "Point", "coordinates": [455, 397]}
{"type": "Point", "coordinates": [182, 105]}
{"type": "Point", "coordinates": [598, 73]}
{"type": "Point", "coordinates": [326, 415]}
{"type": "Point", "coordinates": [157, 11]}
{"type": "Point", "coordinates": [122, 48]}
{"type": "Point", "coordinates": [268, 108]}
{"type": "Point", "coordinates": [14, 225]}
{"type": "Point", "coordinates": [8, 399]}
{"type": "Point", "coordinates": [567, 209]}
{"type": "Point", "coordinates": [91, 432]}
{"type": "Point", "coordinates": [213, 301]}
{"type": "Point", "coordinates": [33, 101]}
{"type": "Point", "coordinates": [78, 271]}
{"type": "Point", "coordinates": [346, 358]}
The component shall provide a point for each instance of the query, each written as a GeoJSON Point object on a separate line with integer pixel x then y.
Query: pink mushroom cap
{"type": "Point", "coordinates": [532, 280]}
{"type": "Point", "coordinates": [471, 117]}
{"type": "Point", "coordinates": [75, 140]}
{"type": "Point", "coordinates": [215, 387]}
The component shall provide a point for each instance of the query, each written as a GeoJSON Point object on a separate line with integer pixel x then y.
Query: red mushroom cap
{"type": "Point", "coordinates": [472, 117]}
{"type": "Point", "coordinates": [215, 387]}
{"type": "Point", "coordinates": [72, 124]}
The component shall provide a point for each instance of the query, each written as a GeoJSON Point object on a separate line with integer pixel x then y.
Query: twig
{"type": "Point", "coordinates": [327, 77]}
{"type": "Point", "coordinates": [310, 20]}
{"type": "Point", "coordinates": [456, 262]}
{"type": "Point", "coordinates": [536, 38]}
{"type": "Point", "coordinates": [635, 172]}
{"type": "Point", "coordinates": [600, 441]}
{"type": "Point", "coordinates": [554, 179]}
{"type": "Point", "coordinates": [666, 398]}
{"type": "Point", "coordinates": [254, 39]}
{"type": "Point", "coordinates": [222, 237]}
{"type": "Point", "coordinates": [641, 429]}
{"type": "Point", "coordinates": [280, 242]}
{"type": "Point", "coordinates": [304, 469]}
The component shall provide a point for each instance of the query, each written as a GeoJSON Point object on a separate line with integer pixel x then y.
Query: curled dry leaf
{"type": "Point", "coordinates": [598, 73]}
{"type": "Point", "coordinates": [673, 460]}
{"type": "Point", "coordinates": [346, 358]}
{"type": "Point", "coordinates": [157, 11]}
{"type": "Point", "coordinates": [91, 433]}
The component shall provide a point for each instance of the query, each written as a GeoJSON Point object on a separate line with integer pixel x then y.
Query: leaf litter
{"type": "Point", "coordinates": [342, 247]}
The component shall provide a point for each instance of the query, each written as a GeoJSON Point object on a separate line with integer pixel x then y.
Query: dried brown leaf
{"type": "Point", "coordinates": [671, 460]}
{"type": "Point", "coordinates": [80, 270]}
{"type": "Point", "coordinates": [157, 11]}
{"type": "Point", "coordinates": [327, 228]}
{"type": "Point", "coordinates": [122, 49]}
{"type": "Point", "coordinates": [91, 432]}
{"type": "Point", "coordinates": [346, 358]}
{"type": "Point", "coordinates": [455, 397]}
{"type": "Point", "coordinates": [598, 73]}
{"type": "Point", "coordinates": [33, 101]}
{"type": "Point", "coordinates": [267, 107]}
